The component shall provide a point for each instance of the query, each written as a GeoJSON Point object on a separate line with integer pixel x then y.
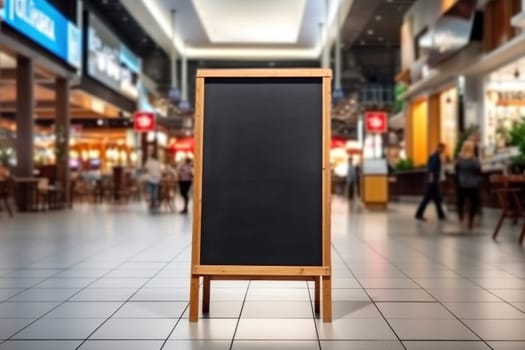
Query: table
{"type": "Point", "coordinates": [25, 193]}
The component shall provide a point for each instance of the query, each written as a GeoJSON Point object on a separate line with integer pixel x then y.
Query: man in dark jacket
{"type": "Point", "coordinates": [432, 190]}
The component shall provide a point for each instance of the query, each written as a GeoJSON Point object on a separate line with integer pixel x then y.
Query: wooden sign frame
{"type": "Point", "coordinates": [321, 275]}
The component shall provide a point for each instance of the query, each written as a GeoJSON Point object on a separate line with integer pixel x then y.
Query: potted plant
{"type": "Point", "coordinates": [516, 138]}
{"type": "Point", "coordinates": [404, 164]}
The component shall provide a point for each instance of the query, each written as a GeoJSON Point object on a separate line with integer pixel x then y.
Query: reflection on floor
{"type": "Point", "coordinates": [117, 278]}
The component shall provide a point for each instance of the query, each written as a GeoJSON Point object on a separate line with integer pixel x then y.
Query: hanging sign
{"type": "Point", "coordinates": [109, 61]}
{"type": "Point", "coordinates": [46, 26]}
{"type": "Point", "coordinates": [144, 121]}
{"type": "Point", "coordinates": [376, 122]}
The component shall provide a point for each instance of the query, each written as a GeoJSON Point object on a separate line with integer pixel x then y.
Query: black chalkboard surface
{"type": "Point", "coordinates": [262, 180]}
{"type": "Point", "coordinates": [262, 171]}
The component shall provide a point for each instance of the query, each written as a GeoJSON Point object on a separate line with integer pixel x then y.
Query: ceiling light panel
{"type": "Point", "coordinates": [251, 22]}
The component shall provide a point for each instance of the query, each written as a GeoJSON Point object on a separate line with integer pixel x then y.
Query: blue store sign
{"type": "Point", "coordinates": [43, 24]}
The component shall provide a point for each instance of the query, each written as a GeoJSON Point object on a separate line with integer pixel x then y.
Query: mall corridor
{"type": "Point", "coordinates": [245, 174]}
{"type": "Point", "coordinates": [113, 277]}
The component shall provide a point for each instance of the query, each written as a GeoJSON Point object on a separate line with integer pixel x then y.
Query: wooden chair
{"type": "Point", "coordinates": [4, 196]}
{"type": "Point", "coordinates": [42, 193]}
{"type": "Point", "coordinates": [509, 200]}
{"type": "Point", "coordinates": [135, 190]}
{"type": "Point", "coordinates": [167, 190]}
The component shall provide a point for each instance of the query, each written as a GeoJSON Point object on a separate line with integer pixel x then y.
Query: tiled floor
{"type": "Point", "coordinates": [118, 278]}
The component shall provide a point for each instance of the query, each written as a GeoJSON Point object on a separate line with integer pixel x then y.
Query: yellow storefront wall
{"type": "Point", "coordinates": [434, 123]}
{"type": "Point", "coordinates": [416, 130]}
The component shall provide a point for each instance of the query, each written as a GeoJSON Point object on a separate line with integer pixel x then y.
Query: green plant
{"type": "Point", "coordinates": [405, 164]}
{"type": "Point", "coordinates": [464, 137]}
{"type": "Point", "coordinates": [516, 138]}
{"type": "Point", "coordinates": [4, 154]}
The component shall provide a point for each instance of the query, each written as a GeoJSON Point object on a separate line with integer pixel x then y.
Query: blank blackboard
{"type": "Point", "coordinates": [262, 154]}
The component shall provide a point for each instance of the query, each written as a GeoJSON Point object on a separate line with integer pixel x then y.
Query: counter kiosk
{"type": "Point", "coordinates": [374, 183]}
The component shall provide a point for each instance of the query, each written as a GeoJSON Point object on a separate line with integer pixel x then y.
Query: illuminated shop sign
{"type": "Point", "coordinates": [144, 121]}
{"type": "Point", "coordinates": [110, 62]}
{"type": "Point", "coordinates": [376, 122]}
{"type": "Point", "coordinates": [44, 25]}
{"type": "Point", "coordinates": [508, 97]}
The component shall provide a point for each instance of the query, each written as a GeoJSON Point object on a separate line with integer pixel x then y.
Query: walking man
{"type": "Point", "coordinates": [432, 186]}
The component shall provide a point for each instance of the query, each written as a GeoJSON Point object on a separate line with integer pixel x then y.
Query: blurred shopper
{"type": "Point", "coordinates": [468, 173]}
{"type": "Point", "coordinates": [185, 175]}
{"type": "Point", "coordinates": [432, 185]}
{"type": "Point", "coordinates": [358, 179]}
{"type": "Point", "coordinates": [153, 169]}
{"type": "Point", "coordinates": [351, 177]}
{"type": "Point", "coordinates": [475, 138]}
{"type": "Point", "coordinates": [4, 171]}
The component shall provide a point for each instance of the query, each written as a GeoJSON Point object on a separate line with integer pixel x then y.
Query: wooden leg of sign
{"type": "Point", "coordinates": [206, 294]}
{"type": "Point", "coordinates": [327, 298]}
{"type": "Point", "coordinates": [317, 299]}
{"type": "Point", "coordinates": [194, 298]}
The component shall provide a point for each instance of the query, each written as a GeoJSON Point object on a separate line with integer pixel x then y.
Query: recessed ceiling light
{"type": "Point", "coordinates": [378, 18]}
{"type": "Point", "coordinates": [277, 21]}
{"type": "Point", "coordinates": [370, 32]}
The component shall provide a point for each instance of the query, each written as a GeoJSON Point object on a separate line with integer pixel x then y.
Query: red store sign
{"type": "Point", "coordinates": [144, 121]}
{"type": "Point", "coordinates": [185, 144]}
{"type": "Point", "coordinates": [376, 122]}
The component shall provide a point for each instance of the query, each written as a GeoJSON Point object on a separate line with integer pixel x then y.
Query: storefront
{"type": "Point", "coordinates": [101, 151]}
{"type": "Point", "coordinates": [182, 148]}
{"type": "Point", "coordinates": [416, 131]}
{"type": "Point", "coordinates": [504, 104]}
{"type": "Point", "coordinates": [447, 121]}
{"type": "Point", "coordinates": [440, 40]}
{"type": "Point", "coordinates": [40, 53]}
{"type": "Point", "coordinates": [109, 92]}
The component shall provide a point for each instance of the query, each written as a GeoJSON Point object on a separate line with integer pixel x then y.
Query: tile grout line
{"type": "Point", "coordinates": [314, 315]}
{"type": "Point", "coordinates": [175, 326]}
{"type": "Point", "coordinates": [463, 276]}
{"type": "Point", "coordinates": [76, 293]}
{"type": "Point", "coordinates": [61, 270]}
{"type": "Point", "coordinates": [240, 314]}
{"type": "Point", "coordinates": [369, 297]}
{"type": "Point", "coordinates": [421, 287]}
{"type": "Point", "coordinates": [134, 293]}
{"type": "Point", "coordinates": [81, 289]}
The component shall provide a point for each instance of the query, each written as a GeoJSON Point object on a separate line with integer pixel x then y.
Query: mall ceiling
{"type": "Point", "coordinates": [375, 23]}
{"type": "Point", "coordinates": [370, 24]}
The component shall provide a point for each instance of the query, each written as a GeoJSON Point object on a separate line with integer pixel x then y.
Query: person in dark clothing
{"type": "Point", "coordinates": [468, 176]}
{"type": "Point", "coordinates": [351, 178]}
{"type": "Point", "coordinates": [185, 180]}
{"type": "Point", "coordinates": [432, 188]}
